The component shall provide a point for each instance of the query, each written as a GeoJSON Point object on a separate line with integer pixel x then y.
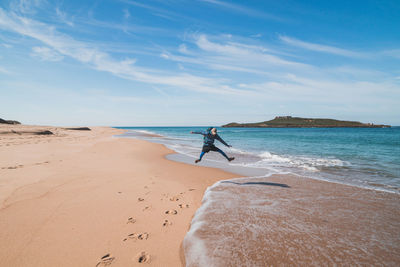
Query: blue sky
{"type": "Point", "coordinates": [198, 62]}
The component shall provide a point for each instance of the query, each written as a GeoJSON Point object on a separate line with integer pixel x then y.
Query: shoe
{"type": "Point", "coordinates": [230, 159]}
{"type": "Point", "coordinates": [196, 161]}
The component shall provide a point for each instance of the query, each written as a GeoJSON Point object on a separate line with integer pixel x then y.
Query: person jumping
{"type": "Point", "coordinates": [209, 136]}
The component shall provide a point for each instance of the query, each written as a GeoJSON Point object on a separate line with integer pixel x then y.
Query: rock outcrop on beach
{"type": "Point", "coordinates": [9, 121]}
{"type": "Point", "coordinates": [296, 122]}
{"type": "Point", "coordinates": [79, 129]}
{"type": "Point", "coordinates": [29, 132]}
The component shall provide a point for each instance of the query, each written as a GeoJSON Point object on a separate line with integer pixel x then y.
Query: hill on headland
{"type": "Point", "coordinates": [8, 121]}
{"type": "Point", "coordinates": [296, 122]}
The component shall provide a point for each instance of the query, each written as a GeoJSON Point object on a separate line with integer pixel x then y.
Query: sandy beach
{"type": "Point", "coordinates": [88, 198]}
{"type": "Point", "coordinates": [85, 198]}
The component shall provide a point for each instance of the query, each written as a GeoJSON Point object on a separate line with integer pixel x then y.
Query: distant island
{"type": "Point", "coordinates": [296, 122]}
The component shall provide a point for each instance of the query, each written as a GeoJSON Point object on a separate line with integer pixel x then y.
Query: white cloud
{"type": "Point", "coordinates": [302, 89]}
{"type": "Point", "coordinates": [126, 13]}
{"type": "Point", "coordinates": [25, 6]}
{"type": "Point", "coordinates": [243, 10]}
{"type": "Point", "coordinates": [46, 54]}
{"type": "Point", "coordinates": [321, 48]}
{"type": "Point", "coordinates": [4, 71]}
{"type": "Point", "coordinates": [63, 17]}
{"type": "Point", "coordinates": [164, 55]}
{"type": "Point", "coordinates": [258, 35]}
{"type": "Point", "coordinates": [228, 55]}
{"type": "Point", "coordinates": [395, 53]}
{"type": "Point", "coordinates": [6, 45]}
{"type": "Point", "coordinates": [156, 11]}
{"type": "Point", "coordinates": [243, 53]}
{"type": "Point", "coordinates": [125, 27]}
{"type": "Point", "coordinates": [183, 49]}
{"type": "Point", "coordinates": [67, 46]}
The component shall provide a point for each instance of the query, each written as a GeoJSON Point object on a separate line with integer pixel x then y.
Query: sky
{"type": "Point", "coordinates": [198, 62]}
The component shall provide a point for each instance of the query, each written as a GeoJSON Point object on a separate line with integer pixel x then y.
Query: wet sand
{"type": "Point", "coordinates": [286, 220]}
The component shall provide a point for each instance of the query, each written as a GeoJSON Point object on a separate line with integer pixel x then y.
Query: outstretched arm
{"type": "Point", "coordinates": [202, 133]}
{"type": "Point", "coordinates": [222, 141]}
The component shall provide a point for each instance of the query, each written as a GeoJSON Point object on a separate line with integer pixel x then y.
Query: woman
{"type": "Point", "coordinates": [209, 137]}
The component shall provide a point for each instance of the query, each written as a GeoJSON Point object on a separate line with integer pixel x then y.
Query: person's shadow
{"type": "Point", "coordinates": [258, 183]}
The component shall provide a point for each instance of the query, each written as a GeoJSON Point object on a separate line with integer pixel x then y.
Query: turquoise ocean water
{"type": "Point", "coordinates": [363, 157]}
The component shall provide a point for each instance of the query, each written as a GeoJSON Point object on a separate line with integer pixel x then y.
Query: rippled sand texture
{"type": "Point", "coordinates": [289, 220]}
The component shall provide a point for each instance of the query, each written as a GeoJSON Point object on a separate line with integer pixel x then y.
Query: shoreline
{"type": "Point", "coordinates": [80, 196]}
{"type": "Point", "coordinates": [243, 171]}
{"type": "Point", "coordinates": [249, 175]}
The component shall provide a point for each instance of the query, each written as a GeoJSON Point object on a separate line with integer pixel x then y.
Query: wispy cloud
{"type": "Point", "coordinates": [6, 45]}
{"type": "Point", "coordinates": [244, 10]}
{"type": "Point", "coordinates": [4, 71]}
{"type": "Point", "coordinates": [391, 53]}
{"type": "Point", "coordinates": [46, 54]}
{"type": "Point", "coordinates": [321, 48]}
{"type": "Point", "coordinates": [126, 13]}
{"type": "Point", "coordinates": [25, 6]}
{"type": "Point", "coordinates": [147, 30]}
{"type": "Point", "coordinates": [183, 49]}
{"type": "Point", "coordinates": [225, 54]}
{"type": "Point", "coordinates": [67, 46]}
{"type": "Point", "coordinates": [63, 17]}
{"type": "Point", "coordinates": [258, 35]}
{"type": "Point", "coordinates": [318, 90]}
{"type": "Point", "coordinates": [156, 11]}
{"type": "Point", "coordinates": [279, 78]}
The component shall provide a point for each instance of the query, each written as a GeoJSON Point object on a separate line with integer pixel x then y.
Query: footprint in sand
{"type": "Point", "coordinates": [13, 167]}
{"type": "Point", "coordinates": [143, 257]}
{"type": "Point", "coordinates": [131, 220]}
{"type": "Point", "coordinates": [143, 236]}
{"type": "Point", "coordinates": [166, 223]}
{"type": "Point", "coordinates": [134, 236]}
{"type": "Point", "coordinates": [173, 212]}
{"type": "Point", "coordinates": [131, 236]}
{"type": "Point", "coordinates": [182, 206]}
{"type": "Point", "coordinates": [174, 198]}
{"type": "Point", "coordinates": [192, 189]}
{"type": "Point", "coordinates": [146, 208]}
{"type": "Point", "coordinates": [105, 260]}
{"type": "Point", "coordinates": [140, 199]}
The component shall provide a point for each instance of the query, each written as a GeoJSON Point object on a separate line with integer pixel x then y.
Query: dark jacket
{"type": "Point", "coordinates": [209, 138]}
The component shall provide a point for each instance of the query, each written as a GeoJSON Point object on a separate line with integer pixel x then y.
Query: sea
{"type": "Point", "coordinates": [367, 158]}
